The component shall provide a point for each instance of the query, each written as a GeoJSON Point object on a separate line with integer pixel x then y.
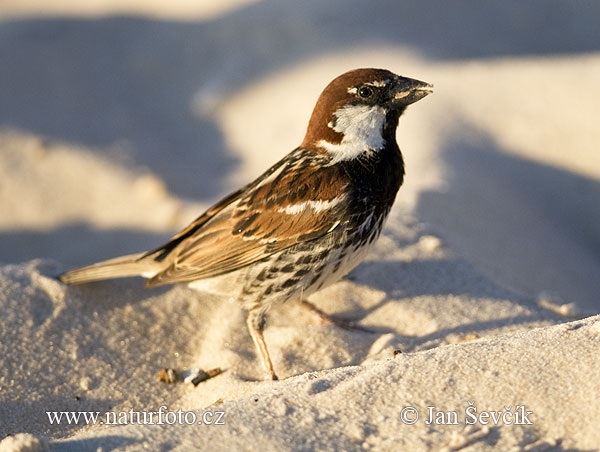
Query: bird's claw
{"type": "Point", "coordinates": [327, 319]}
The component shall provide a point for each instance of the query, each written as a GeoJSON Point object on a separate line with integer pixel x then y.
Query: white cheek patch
{"type": "Point", "coordinates": [362, 127]}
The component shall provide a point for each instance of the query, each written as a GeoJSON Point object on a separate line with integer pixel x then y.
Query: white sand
{"type": "Point", "coordinates": [496, 227]}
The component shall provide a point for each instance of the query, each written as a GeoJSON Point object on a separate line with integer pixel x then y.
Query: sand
{"type": "Point", "coordinates": [480, 297]}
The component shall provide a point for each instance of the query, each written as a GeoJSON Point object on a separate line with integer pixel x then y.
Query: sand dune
{"type": "Point", "coordinates": [115, 131]}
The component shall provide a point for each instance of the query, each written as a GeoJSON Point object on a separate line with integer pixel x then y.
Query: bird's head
{"type": "Point", "coordinates": [359, 110]}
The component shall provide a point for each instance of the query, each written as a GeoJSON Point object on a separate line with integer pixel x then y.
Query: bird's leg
{"type": "Point", "coordinates": [256, 323]}
{"type": "Point", "coordinates": [327, 319]}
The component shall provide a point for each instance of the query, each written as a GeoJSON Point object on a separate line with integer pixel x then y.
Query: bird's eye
{"type": "Point", "coordinates": [365, 92]}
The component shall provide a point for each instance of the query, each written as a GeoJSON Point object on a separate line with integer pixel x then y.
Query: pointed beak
{"type": "Point", "coordinates": [406, 91]}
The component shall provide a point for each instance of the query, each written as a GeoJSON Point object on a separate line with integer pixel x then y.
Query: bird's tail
{"type": "Point", "coordinates": [119, 267]}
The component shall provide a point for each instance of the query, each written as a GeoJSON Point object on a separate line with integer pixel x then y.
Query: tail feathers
{"type": "Point", "coordinates": [119, 267]}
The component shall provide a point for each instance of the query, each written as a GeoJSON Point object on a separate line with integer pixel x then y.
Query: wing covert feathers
{"type": "Point", "coordinates": [298, 199]}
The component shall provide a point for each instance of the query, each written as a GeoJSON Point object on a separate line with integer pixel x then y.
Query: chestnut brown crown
{"type": "Point", "coordinates": [366, 87]}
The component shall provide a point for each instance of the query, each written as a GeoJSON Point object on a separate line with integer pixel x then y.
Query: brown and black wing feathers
{"type": "Point", "coordinates": [282, 208]}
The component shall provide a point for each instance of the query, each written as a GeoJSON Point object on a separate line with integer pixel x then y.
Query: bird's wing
{"type": "Point", "coordinates": [297, 200]}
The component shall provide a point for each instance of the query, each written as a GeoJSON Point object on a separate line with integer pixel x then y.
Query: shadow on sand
{"type": "Point", "coordinates": [509, 215]}
{"type": "Point", "coordinates": [100, 81]}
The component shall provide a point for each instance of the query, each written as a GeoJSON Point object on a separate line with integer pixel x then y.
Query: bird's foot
{"type": "Point", "coordinates": [327, 319]}
{"type": "Point", "coordinates": [270, 376]}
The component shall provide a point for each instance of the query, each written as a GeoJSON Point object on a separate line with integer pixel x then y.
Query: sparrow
{"type": "Point", "coordinates": [305, 222]}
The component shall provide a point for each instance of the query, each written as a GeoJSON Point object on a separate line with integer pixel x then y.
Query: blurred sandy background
{"type": "Point", "coordinates": [136, 84]}
{"type": "Point", "coordinates": [121, 120]}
